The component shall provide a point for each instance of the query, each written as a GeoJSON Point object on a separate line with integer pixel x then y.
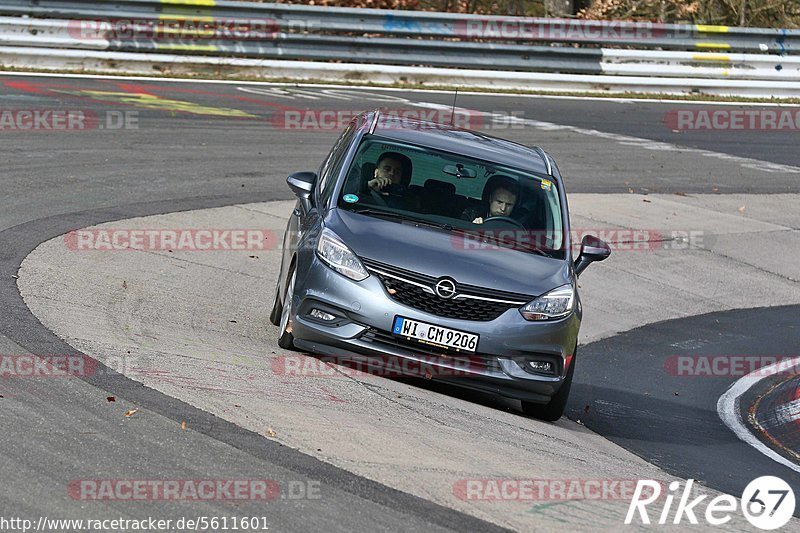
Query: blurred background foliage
{"type": "Point", "coordinates": [754, 13]}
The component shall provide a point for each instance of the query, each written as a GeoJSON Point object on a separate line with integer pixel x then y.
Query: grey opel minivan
{"type": "Point", "coordinates": [437, 246]}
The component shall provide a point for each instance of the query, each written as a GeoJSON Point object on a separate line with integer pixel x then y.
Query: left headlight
{"type": "Point", "coordinates": [339, 257]}
{"type": "Point", "coordinates": [557, 303]}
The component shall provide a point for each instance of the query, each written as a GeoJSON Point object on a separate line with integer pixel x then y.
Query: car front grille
{"type": "Point", "coordinates": [416, 290]}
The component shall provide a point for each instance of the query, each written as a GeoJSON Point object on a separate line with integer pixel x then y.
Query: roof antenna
{"type": "Point", "coordinates": [453, 112]}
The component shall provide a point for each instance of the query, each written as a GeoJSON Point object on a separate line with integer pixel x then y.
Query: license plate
{"type": "Point", "coordinates": [435, 335]}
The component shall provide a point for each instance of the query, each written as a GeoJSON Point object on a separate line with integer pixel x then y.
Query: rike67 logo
{"type": "Point", "coordinates": [767, 503]}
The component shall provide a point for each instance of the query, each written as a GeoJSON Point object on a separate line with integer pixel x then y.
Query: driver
{"type": "Point", "coordinates": [388, 171]}
{"type": "Point", "coordinates": [499, 198]}
{"type": "Point", "coordinates": [390, 181]}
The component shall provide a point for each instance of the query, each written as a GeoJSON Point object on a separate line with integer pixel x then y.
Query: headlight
{"type": "Point", "coordinates": [339, 257]}
{"type": "Point", "coordinates": [557, 303]}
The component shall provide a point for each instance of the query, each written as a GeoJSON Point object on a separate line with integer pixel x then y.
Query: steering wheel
{"type": "Point", "coordinates": [378, 198]}
{"type": "Point", "coordinates": [510, 220]}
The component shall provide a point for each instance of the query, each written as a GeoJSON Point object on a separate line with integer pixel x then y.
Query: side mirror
{"type": "Point", "coordinates": [302, 183]}
{"type": "Point", "coordinates": [592, 249]}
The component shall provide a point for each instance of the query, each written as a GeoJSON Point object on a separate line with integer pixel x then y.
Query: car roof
{"type": "Point", "coordinates": [458, 140]}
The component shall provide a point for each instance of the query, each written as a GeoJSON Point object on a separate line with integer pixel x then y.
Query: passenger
{"type": "Point", "coordinates": [499, 197]}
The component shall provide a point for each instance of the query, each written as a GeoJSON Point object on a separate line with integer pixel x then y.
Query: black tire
{"type": "Point", "coordinates": [277, 307]}
{"type": "Point", "coordinates": [554, 409]}
{"type": "Point", "coordinates": [286, 340]}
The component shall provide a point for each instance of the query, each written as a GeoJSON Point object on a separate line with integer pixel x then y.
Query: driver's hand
{"type": "Point", "coordinates": [377, 184]}
{"type": "Point", "coordinates": [478, 220]}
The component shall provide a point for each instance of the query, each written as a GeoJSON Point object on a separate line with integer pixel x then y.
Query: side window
{"type": "Point", "coordinates": [330, 168]}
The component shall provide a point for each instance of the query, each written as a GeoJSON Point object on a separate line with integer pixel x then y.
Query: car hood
{"type": "Point", "coordinates": [437, 253]}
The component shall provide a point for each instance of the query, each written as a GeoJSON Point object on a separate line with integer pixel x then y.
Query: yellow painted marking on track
{"type": "Point", "coordinates": [188, 47]}
{"type": "Point", "coordinates": [717, 46]}
{"type": "Point", "coordinates": [707, 28]}
{"type": "Point", "coordinates": [711, 57]}
{"type": "Point", "coordinates": [149, 101]}
{"type": "Point", "coordinates": [207, 3]}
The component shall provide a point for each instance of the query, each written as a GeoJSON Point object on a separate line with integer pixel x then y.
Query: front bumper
{"type": "Point", "coordinates": [365, 315]}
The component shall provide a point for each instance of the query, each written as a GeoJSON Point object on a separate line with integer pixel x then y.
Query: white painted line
{"type": "Point", "coordinates": [646, 144]}
{"type": "Point", "coordinates": [649, 144]}
{"type": "Point", "coordinates": [729, 412]}
{"type": "Point", "coordinates": [626, 140]}
{"type": "Point", "coordinates": [299, 84]}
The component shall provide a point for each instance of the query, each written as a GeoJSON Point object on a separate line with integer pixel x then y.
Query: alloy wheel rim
{"type": "Point", "coordinates": [287, 304]}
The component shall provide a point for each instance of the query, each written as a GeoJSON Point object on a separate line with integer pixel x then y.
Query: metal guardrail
{"type": "Point", "coordinates": [145, 64]}
{"type": "Point", "coordinates": [431, 25]}
{"type": "Point", "coordinates": [52, 33]}
{"type": "Point", "coordinates": [56, 33]}
{"type": "Point", "coordinates": [244, 35]}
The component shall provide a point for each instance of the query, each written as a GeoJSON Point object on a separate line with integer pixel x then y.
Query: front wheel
{"type": "Point", "coordinates": [286, 340]}
{"type": "Point", "coordinates": [552, 410]}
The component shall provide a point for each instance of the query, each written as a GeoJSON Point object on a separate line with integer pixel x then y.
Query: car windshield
{"type": "Point", "coordinates": [491, 204]}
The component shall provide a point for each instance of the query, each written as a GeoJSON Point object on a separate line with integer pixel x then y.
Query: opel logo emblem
{"type": "Point", "coordinates": [445, 288]}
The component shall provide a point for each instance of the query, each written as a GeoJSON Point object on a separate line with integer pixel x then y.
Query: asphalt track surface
{"type": "Point", "coordinates": [637, 398]}
{"type": "Point", "coordinates": [193, 156]}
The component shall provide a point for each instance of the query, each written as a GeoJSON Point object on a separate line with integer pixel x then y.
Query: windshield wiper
{"type": "Point", "coordinates": [376, 212]}
{"type": "Point", "coordinates": [400, 216]}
